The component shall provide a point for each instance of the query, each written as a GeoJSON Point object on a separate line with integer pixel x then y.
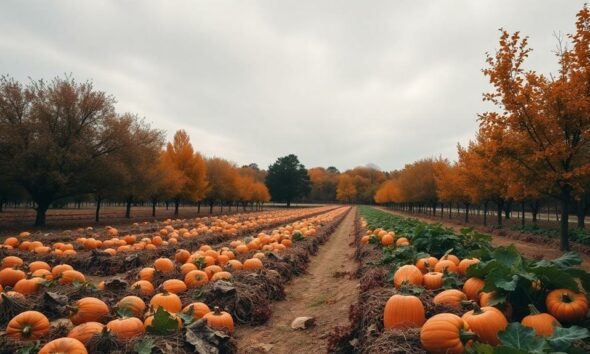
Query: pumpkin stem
{"type": "Point", "coordinates": [216, 311]}
{"type": "Point", "coordinates": [476, 309]}
{"type": "Point", "coordinates": [466, 336]}
{"type": "Point", "coordinates": [27, 329]}
{"type": "Point", "coordinates": [533, 310]}
{"type": "Point", "coordinates": [565, 297]}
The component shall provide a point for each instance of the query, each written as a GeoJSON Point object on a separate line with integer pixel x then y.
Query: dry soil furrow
{"type": "Point", "coordinates": [325, 292]}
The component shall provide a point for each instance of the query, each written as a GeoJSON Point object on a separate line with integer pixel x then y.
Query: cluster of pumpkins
{"type": "Point", "coordinates": [445, 332]}
{"type": "Point", "coordinates": [386, 238]}
{"type": "Point", "coordinates": [112, 243]}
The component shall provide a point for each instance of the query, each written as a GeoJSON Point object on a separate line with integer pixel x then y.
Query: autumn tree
{"type": "Point", "coordinates": [546, 120]}
{"type": "Point", "coordinates": [389, 192]}
{"type": "Point", "coordinates": [287, 179]}
{"type": "Point", "coordinates": [191, 167]}
{"type": "Point", "coordinates": [346, 190]}
{"type": "Point", "coordinates": [417, 182]}
{"type": "Point", "coordinates": [223, 182]}
{"type": "Point", "coordinates": [52, 134]}
{"type": "Point", "coordinates": [323, 184]}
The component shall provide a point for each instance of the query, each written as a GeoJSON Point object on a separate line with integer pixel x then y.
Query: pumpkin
{"type": "Point", "coordinates": [42, 273]}
{"type": "Point", "coordinates": [451, 298]}
{"type": "Point", "coordinates": [148, 320]}
{"type": "Point", "coordinates": [69, 276]}
{"type": "Point", "coordinates": [426, 264]}
{"type": "Point", "coordinates": [486, 322]}
{"type": "Point", "coordinates": [170, 302]}
{"type": "Point", "coordinates": [472, 288]}
{"type": "Point", "coordinates": [28, 286]}
{"type": "Point", "coordinates": [88, 309]}
{"type": "Point", "coordinates": [147, 274]}
{"type": "Point", "coordinates": [403, 311]}
{"type": "Point", "coordinates": [174, 286]}
{"type": "Point", "coordinates": [11, 262]}
{"type": "Point", "coordinates": [221, 276]}
{"type": "Point", "coordinates": [566, 305]}
{"type": "Point", "coordinates": [196, 278]}
{"type": "Point", "coordinates": [451, 258]}
{"type": "Point", "coordinates": [85, 331]}
{"type": "Point", "coordinates": [64, 345]}
{"type": "Point", "coordinates": [387, 240]}
{"type": "Point", "coordinates": [144, 287]}
{"type": "Point", "coordinates": [234, 264]}
{"type": "Point", "coordinates": [212, 269]}
{"type": "Point", "coordinates": [187, 267]}
{"type": "Point", "coordinates": [433, 280]}
{"type": "Point", "coordinates": [10, 296]}
{"type": "Point", "coordinates": [252, 263]}
{"type": "Point", "coordinates": [445, 264]}
{"type": "Point", "coordinates": [219, 320]}
{"type": "Point", "coordinates": [10, 276]}
{"type": "Point", "coordinates": [36, 265]}
{"type": "Point", "coordinates": [465, 264]}
{"type": "Point", "coordinates": [445, 333]}
{"type": "Point", "coordinates": [182, 255]}
{"type": "Point", "coordinates": [164, 265]}
{"type": "Point", "coordinates": [409, 273]}
{"type": "Point", "coordinates": [28, 325]}
{"type": "Point", "coordinates": [126, 328]}
{"type": "Point", "coordinates": [198, 309]}
{"type": "Point", "coordinates": [542, 323]}
{"type": "Point", "coordinates": [132, 304]}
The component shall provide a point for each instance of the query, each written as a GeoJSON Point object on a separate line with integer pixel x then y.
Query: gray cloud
{"type": "Point", "coordinates": [340, 83]}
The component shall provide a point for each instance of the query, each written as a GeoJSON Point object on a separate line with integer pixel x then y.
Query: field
{"type": "Point", "coordinates": [145, 287]}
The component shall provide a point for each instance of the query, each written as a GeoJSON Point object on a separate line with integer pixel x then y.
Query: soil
{"type": "Point", "coordinates": [325, 292]}
{"type": "Point", "coordinates": [529, 249]}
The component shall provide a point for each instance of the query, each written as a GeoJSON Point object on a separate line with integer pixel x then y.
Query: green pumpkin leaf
{"type": "Point", "coordinates": [567, 260]}
{"type": "Point", "coordinates": [555, 278]}
{"type": "Point", "coordinates": [517, 336]}
{"type": "Point", "coordinates": [563, 338]}
{"type": "Point", "coordinates": [508, 256]}
{"type": "Point", "coordinates": [30, 349]}
{"type": "Point", "coordinates": [163, 323]}
{"type": "Point", "coordinates": [144, 346]}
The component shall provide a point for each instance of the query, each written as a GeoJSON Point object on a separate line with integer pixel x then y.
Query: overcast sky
{"type": "Point", "coordinates": [341, 83]}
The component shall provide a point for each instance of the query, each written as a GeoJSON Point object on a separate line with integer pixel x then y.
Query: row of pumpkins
{"type": "Point", "coordinates": [445, 333]}
{"type": "Point", "coordinates": [112, 243]}
{"type": "Point", "coordinates": [198, 268]}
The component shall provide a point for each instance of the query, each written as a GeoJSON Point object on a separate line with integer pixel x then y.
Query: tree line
{"type": "Point", "coordinates": [532, 148]}
{"type": "Point", "coordinates": [63, 139]}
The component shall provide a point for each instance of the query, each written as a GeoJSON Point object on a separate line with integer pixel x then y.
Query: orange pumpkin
{"type": "Point", "coordinates": [465, 264]}
{"type": "Point", "coordinates": [11, 262]}
{"type": "Point", "coordinates": [174, 286]}
{"type": "Point", "coordinates": [543, 323]}
{"type": "Point", "coordinates": [28, 325]}
{"type": "Point", "coordinates": [133, 304]}
{"type": "Point", "coordinates": [220, 320]}
{"type": "Point", "coordinates": [85, 331]}
{"type": "Point", "coordinates": [144, 287]}
{"type": "Point", "coordinates": [566, 305]}
{"type": "Point", "coordinates": [88, 309]}
{"type": "Point", "coordinates": [445, 333]}
{"type": "Point", "coordinates": [447, 265]}
{"type": "Point", "coordinates": [403, 311]}
{"type": "Point", "coordinates": [196, 278]}
{"type": "Point", "coordinates": [407, 273]}
{"type": "Point", "coordinates": [164, 265]}
{"type": "Point", "coordinates": [198, 309]}
{"type": "Point", "coordinates": [69, 276]}
{"type": "Point", "coordinates": [433, 280]}
{"type": "Point", "coordinates": [473, 287]}
{"type": "Point", "coordinates": [170, 302]}
{"type": "Point", "coordinates": [126, 328]}
{"type": "Point", "coordinates": [64, 345]}
{"type": "Point", "coordinates": [426, 264]}
{"type": "Point", "coordinates": [486, 322]}
{"type": "Point", "coordinates": [10, 276]}
{"type": "Point", "coordinates": [450, 298]}
{"type": "Point", "coordinates": [252, 263]}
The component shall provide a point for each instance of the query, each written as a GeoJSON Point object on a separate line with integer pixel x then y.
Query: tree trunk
{"type": "Point", "coordinates": [522, 220]}
{"type": "Point", "coordinates": [211, 207]}
{"type": "Point", "coordinates": [1, 205]}
{"type": "Point", "coordinates": [466, 212]}
{"type": "Point", "coordinates": [97, 212]}
{"type": "Point", "coordinates": [288, 203]}
{"type": "Point", "coordinates": [485, 213]}
{"type": "Point", "coordinates": [507, 210]}
{"type": "Point", "coordinates": [500, 203]}
{"type": "Point", "coordinates": [198, 207]}
{"type": "Point", "coordinates": [564, 201]}
{"type": "Point", "coordinates": [581, 213]}
{"type": "Point", "coordinates": [176, 205]}
{"type": "Point", "coordinates": [434, 209]}
{"type": "Point", "coordinates": [535, 205]}
{"type": "Point", "coordinates": [128, 208]}
{"type": "Point", "coordinates": [450, 210]}
{"type": "Point", "coordinates": [41, 213]}
{"type": "Point", "coordinates": [154, 202]}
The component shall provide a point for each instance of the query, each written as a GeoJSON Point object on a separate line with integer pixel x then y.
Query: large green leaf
{"type": "Point", "coordinates": [567, 260]}
{"type": "Point", "coordinates": [508, 256]}
{"type": "Point", "coordinates": [518, 336]}
{"type": "Point", "coordinates": [553, 277]}
{"type": "Point", "coordinates": [563, 338]}
{"type": "Point", "coordinates": [163, 322]}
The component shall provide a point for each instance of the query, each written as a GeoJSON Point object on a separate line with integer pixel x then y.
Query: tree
{"type": "Point", "coordinates": [323, 184]}
{"type": "Point", "coordinates": [545, 120]}
{"type": "Point", "coordinates": [52, 134]}
{"type": "Point", "coordinates": [191, 166]}
{"type": "Point", "coordinates": [223, 182]}
{"type": "Point", "coordinates": [346, 191]}
{"type": "Point", "coordinates": [287, 179]}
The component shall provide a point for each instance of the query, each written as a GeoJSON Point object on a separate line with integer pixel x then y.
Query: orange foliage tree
{"type": "Point", "coordinates": [191, 168]}
{"type": "Point", "coordinates": [223, 182]}
{"type": "Point", "coordinates": [543, 122]}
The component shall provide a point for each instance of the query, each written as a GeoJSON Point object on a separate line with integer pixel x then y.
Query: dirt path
{"type": "Point", "coordinates": [325, 293]}
{"type": "Point", "coordinates": [531, 250]}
